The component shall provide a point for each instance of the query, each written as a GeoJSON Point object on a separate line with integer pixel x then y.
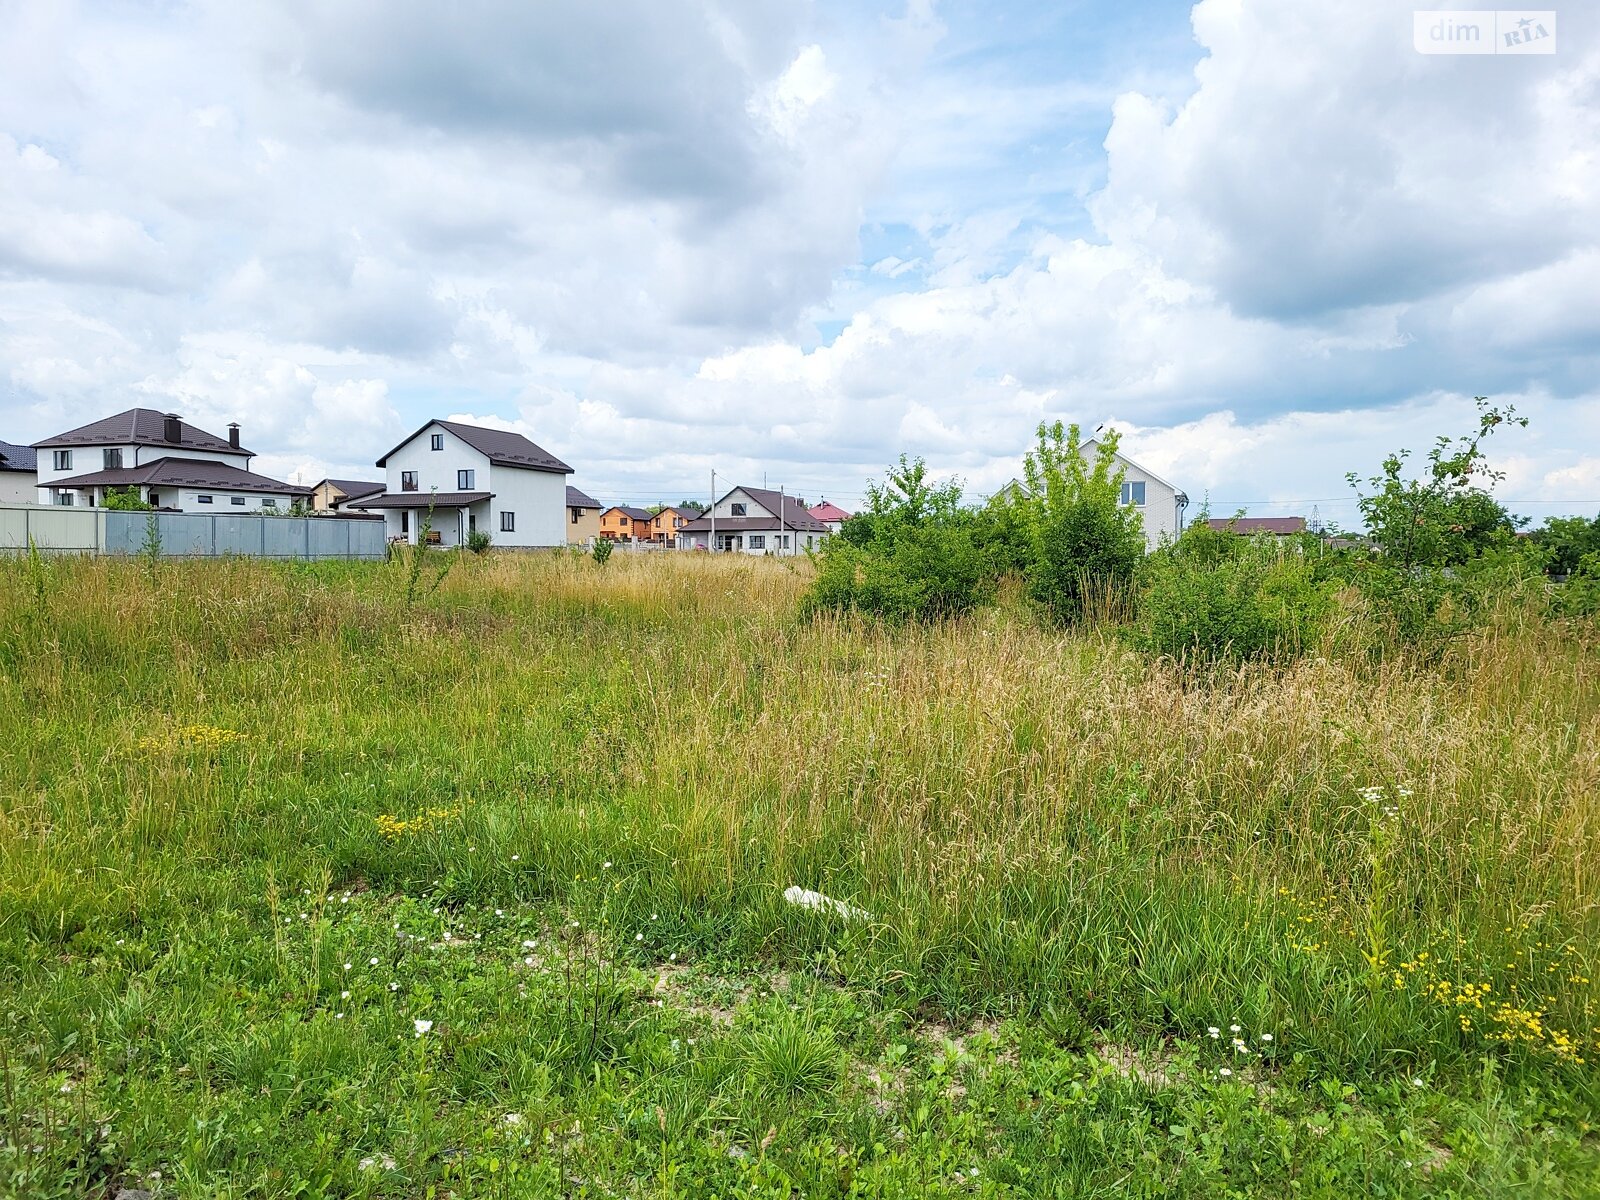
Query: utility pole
{"type": "Point", "coordinates": [781, 534]}
{"type": "Point", "coordinates": [713, 512]}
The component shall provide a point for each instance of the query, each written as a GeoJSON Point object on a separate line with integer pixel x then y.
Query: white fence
{"type": "Point", "coordinates": [63, 530]}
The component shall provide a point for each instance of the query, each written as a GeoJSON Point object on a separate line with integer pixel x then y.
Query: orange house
{"type": "Point", "coordinates": [621, 521]}
{"type": "Point", "coordinates": [665, 524]}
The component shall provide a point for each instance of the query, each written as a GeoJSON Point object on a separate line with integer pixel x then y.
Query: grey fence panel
{"type": "Point", "coordinates": [190, 535]}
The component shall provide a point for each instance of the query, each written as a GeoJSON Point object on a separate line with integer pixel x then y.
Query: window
{"type": "Point", "coordinates": [576, 513]}
{"type": "Point", "coordinates": [154, 500]}
{"type": "Point", "coordinates": [472, 522]}
{"type": "Point", "coordinates": [408, 481]}
{"type": "Point", "coordinates": [269, 502]}
{"type": "Point", "coordinates": [758, 541]}
{"type": "Point", "coordinates": [62, 460]}
{"type": "Point", "coordinates": [508, 522]}
{"type": "Point", "coordinates": [112, 459]}
{"type": "Point", "coordinates": [237, 501]}
{"type": "Point", "coordinates": [464, 480]}
{"type": "Point", "coordinates": [738, 509]}
{"type": "Point", "coordinates": [436, 442]}
{"type": "Point", "coordinates": [405, 521]}
{"type": "Point", "coordinates": [1133, 493]}
{"type": "Point", "coordinates": [203, 499]}
{"type": "Point", "coordinates": [656, 522]}
{"type": "Point", "coordinates": [786, 541]}
{"type": "Point", "coordinates": [66, 499]}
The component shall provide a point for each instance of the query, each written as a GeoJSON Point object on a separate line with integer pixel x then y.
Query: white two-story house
{"type": "Point", "coordinates": [754, 521]}
{"type": "Point", "coordinates": [168, 462]}
{"type": "Point", "coordinates": [459, 479]}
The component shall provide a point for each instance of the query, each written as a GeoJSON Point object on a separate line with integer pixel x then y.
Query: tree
{"type": "Point", "coordinates": [691, 506]}
{"type": "Point", "coordinates": [1568, 540]}
{"type": "Point", "coordinates": [1427, 528]}
{"type": "Point", "coordinates": [1085, 544]}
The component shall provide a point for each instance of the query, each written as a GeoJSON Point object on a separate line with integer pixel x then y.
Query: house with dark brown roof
{"type": "Point", "coordinates": [751, 520]}
{"type": "Point", "coordinates": [170, 463]}
{"type": "Point", "coordinates": [331, 495]}
{"type": "Point", "coordinates": [459, 479]}
{"type": "Point", "coordinates": [1252, 526]}
{"type": "Point", "coordinates": [19, 476]}
{"type": "Point", "coordinates": [583, 517]}
{"type": "Point", "coordinates": [625, 523]}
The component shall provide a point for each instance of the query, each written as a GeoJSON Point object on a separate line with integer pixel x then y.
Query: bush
{"type": "Point", "coordinates": [1252, 603]}
{"type": "Point", "coordinates": [125, 499]}
{"type": "Point", "coordinates": [602, 550]}
{"type": "Point", "coordinates": [1084, 544]}
{"type": "Point", "coordinates": [912, 554]}
{"type": "Point", "coordinates": [478, 541]}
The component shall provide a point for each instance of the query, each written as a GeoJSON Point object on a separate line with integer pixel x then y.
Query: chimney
{"type": "Point", "coordinates": [233, 434]}
{"type": "Point", "coordinates": [172, 429]}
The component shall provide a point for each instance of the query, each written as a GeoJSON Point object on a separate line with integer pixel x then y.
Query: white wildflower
{"type": "Point", "coordinates": [421, 1026]}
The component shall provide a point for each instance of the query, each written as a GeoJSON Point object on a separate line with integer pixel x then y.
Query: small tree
{"type": "Point", "coordinates": [602, 550]}
{"type": "Point", "coordinates": [1426, 527]}
{"type": "Point", "coordinates": [1085, 543]}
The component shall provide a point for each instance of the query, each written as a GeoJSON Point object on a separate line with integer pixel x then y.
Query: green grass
{"type": "Point", "coordinates": [558, 803]}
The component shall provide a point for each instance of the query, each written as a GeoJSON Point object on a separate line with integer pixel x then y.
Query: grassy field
{"type": "Point", "coordinates": [305, 891]}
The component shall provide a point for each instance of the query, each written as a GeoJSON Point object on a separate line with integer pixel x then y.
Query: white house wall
{"type": "Point", "coordinates": [17, 487]}
{"type": "Point", "coordinates": [90, 460]}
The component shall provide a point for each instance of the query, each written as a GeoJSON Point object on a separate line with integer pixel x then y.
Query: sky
{"type": "Point", "coordinates": [1267, 240]}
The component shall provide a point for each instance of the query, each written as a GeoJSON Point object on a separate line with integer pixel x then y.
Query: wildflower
{"type": "Point", "coordinates": [338, 1016]}
{"type": "Point", "coordinates": [1213, 1031]}
{"type": "Point", "coordinates": [344, 995]}
{"type": "Point", "coordinates": [672, 958]}
{"type": "Point", "coordinates": [529, 944]}
{"type": "Point", "coordinates": [638, 937]}
{"type": "Point", "coordinates": [422, 1026]}
{"type": "Point", "coordinates": [1233, 1029]}
{"type": "Point", "coordinates": [499, 912]}
{"type": "Point", "coordinates": [513, 1118]}
{"type": "Point", "coordinates": [516, 858]}
{"type": "Point", "coordinates": [347, 966]}
{"type": "Point", "coordinates": [606, 866]}
{"type": "Point", "coordinates": [655, 916]}
{"type": "Point", "coordinates": [1266, 1037]}
{"type": "Point", "coordinates": [394, 987]}
{"type": "Point", "coordinates": [1225, 1072]}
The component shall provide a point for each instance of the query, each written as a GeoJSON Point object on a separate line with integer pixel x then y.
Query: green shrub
{"type": "Point", "coordinates": [912, 554]}
{"type": "Point", "coordinates": [1254, 604]}
{"type": "Point", "coordinates": [125, 499]}
{"type": "Point", "coordinates": [602, 550]}
{"type": "Point", "coordinates": [478, 541]}
{"type": "Point", "coordinates": [1084, 544]}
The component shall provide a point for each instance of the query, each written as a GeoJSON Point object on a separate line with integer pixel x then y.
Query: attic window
{"type": "Point", "coordinates": [436, 442]}
{"type": "Point", "coordinates": [738, 509]}
{"type": "Point", "coordinates": [1133, 493]}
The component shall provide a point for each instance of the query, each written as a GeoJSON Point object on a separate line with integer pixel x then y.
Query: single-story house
{"type": "Point", "coordinates": [830, 515]}
{"type": "Point", "coordinates": [168, 462]}
{"type": "Point", "coordinates": [1251, 526]}
{"type": "Point", "coordinates": [754, 521]}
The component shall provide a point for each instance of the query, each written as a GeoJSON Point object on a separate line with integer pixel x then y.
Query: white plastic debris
{"type": "Point", "coordinates": [806, 898]}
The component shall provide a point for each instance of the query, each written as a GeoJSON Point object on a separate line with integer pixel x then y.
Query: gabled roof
{"type": "Point", "coordinates": [1280, 526]}
{"type": "Point", "coordinates": [500, 446]}
{"type": "Point", "coordinates": [184, 472]}
{"type": "Point", "coordinates": [1140, 467]}
{"type": "Point", "coordinates": [827, 511]}
{"type": "Point", "coordinates": [354, 489]}
{"type": "Point", "coordinates": [638, 514]}
{"type": "Point", "coordinates": [793, 514]}
{"type": "Point", "coordinates": [140, 427]}
{"type": "Point", "coordinates": [577, 499]}
{"type": "Point", "coordinates": [17, 458]}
